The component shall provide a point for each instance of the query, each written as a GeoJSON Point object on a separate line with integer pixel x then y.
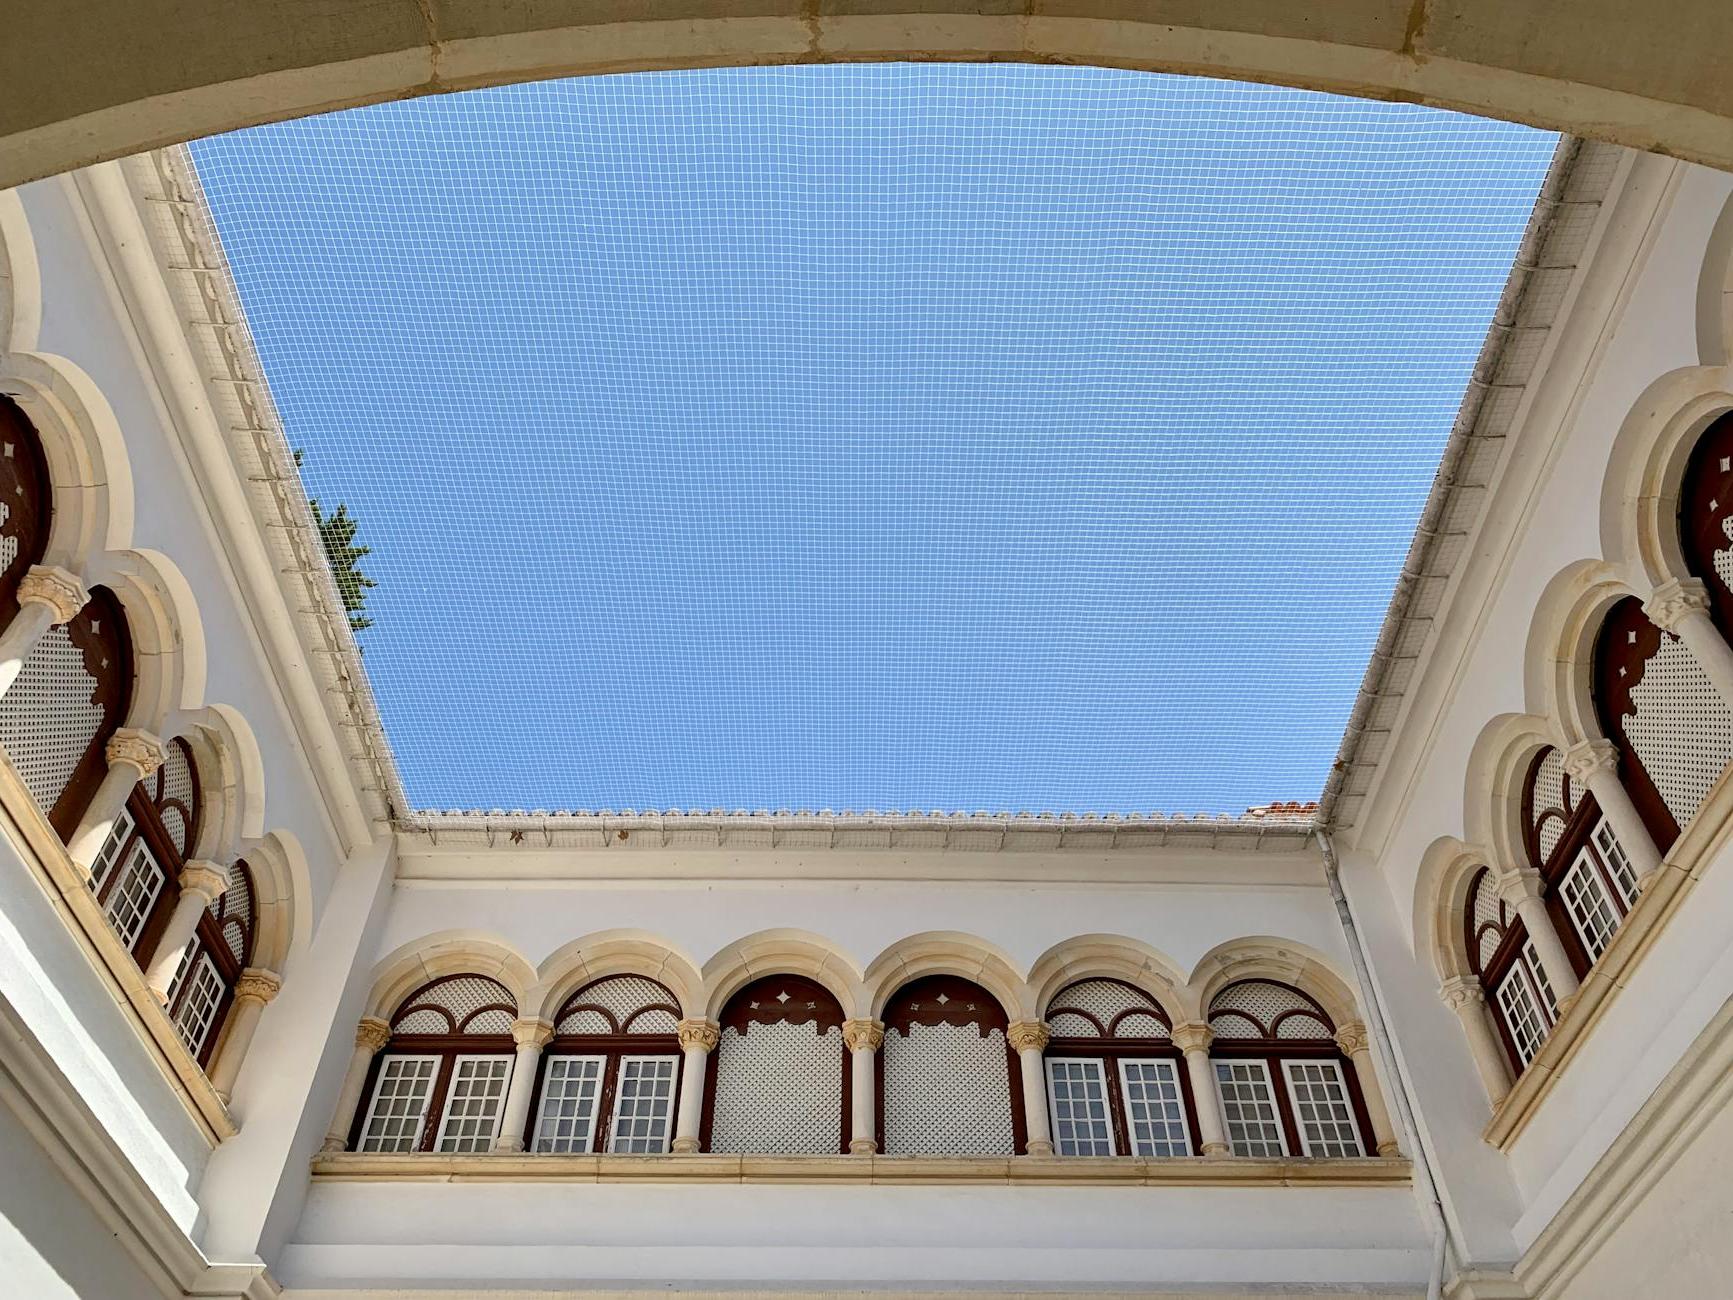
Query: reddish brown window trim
{"type": "Point", "coordinates": [24, 486]}
{"type": "Point", "coordinates": [1627, 641]}
{"type": "Point", "coordinates": [899, 1015]}
{"type": "Point", "coordinates": [740, 1015]}
{"type": "Point", "coordinates": [1705, 506]}
{"type": "Point", "coordinates": [100, 633]}
{"type": "Point", "coordinates": [1576, 837]}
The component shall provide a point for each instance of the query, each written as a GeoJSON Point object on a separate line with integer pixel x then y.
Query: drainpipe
{"type": "Point", "coordinates": [1387, 1058]}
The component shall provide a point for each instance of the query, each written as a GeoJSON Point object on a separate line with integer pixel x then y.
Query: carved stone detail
{"type": "Point", "coordinates": [1675, 601]}
{"type": "Point", "coordinates": [1193, 1036]}
{"type": "Point", "coordinates": [57, 588]}
{"type": "Point", "coordinates": [532, 1032]}
{"type": "Point", "coordinates": [139, 748]}
{"type": "Point", "coordinates": [372, 1033]}
{"type": "Point", "coordinates": [1517, 887]}
{"type": "Point", "coordinates": [1352, 1038]}
{"type": "Point", "coordinates": [1028, 1035]}
{"type": "Point", "coordinates": [863, 1034]}
{"type": "Point", "coordinates": [700, 1033]}
{"type": "Point", "coordinates": [205, 879]}
{"type": "Point", "coordinates": [1461, 991]}
{"type": "Point", "coordinates": [257, 984]}
{"type": "Point", "coordinates": [1583, 759]}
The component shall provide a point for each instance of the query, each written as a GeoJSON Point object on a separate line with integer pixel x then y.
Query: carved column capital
{"type": "Point", "coordinates": [137, 747]}
{"type": "Point", "coordinates": [532, 1032]}
{"type": "Point", "coordinates": [372, 1033]}
{"type": "Point", "coordinates": [863, 1035]}
{"type": "Point", "coordinates": [1028, 1035]}
{"type": "Point", "coordinates": [700, 1033]}
{"type": "Point", "coordinates": [1352, 1038]}
{"type": "Point", "coordinates": [257, 984]}
{"type": "Point", "coordinates": [1193, 1036]}
{"type": "Point", "coordinates": [1460, 991]}
{"type": "Point", "coordinates": [1675, 601]}
{"type": "Point", "coordinates": [1586, 758]}
{"type": "Point", "coordinates": [1518, 886]}
{"type": "Point", "coordinates": [61, 590]}
{"type": "Point", "coordinates": [206, 879]}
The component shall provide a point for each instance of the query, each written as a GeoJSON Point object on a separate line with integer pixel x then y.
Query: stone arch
{"type": "Point", "coordinates": [450, 952]}
{"type": "Point", "coordinates": [782, 952]}
{"type": "Point", "coordinates": [231, 778]}
{"type": "Point", "coordinates": [20, 278]}
{"type": "Point", "coordinates": [1558, 662]}
{"type": "Point", "coordinates": [1270, 958]}
{"type": "Point", "coordinates": [168, 641]}
{"type": "Point", "coordinates": [1715, 294]}
{"type": "Point", "coordinates": [282, 898]}
{"type": "Point", "coordinates": [949, 952]}
{"type": "Point", "coordinates": [1493, 782]}
{"type": "Point", "coordinates": [616, 952]}
{"type": "Point", "coordinates": [1447, 868]}
{"type": "Point", "coordinates": [1108, 956]}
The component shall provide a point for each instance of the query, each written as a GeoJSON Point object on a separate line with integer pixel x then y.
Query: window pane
{"type": "Point", "coordinates": [1522, 1015]}
{"type": "Point", "coordinates": [110, 854]}
{"type": "Point", "coordinates": [567, 1118]}
{"type": "Point", "coordinates": [1321, 1108]}
{"type": "Point", "coordinates": [1542, 985]}
{"type": "Point", "coordinates": [1618, 865]}
{"type": "Point", "coordinates": [1249, 1107]}
{"type": "Point", "coordinates": [399, 1103]}
{"type": "Point", "coordinates": [1077, 1093]}
{"type": "Point", "coordinates": [133, 895]}
{"type": "Point", "coordinates": [1154, 1112]}
{"type": "Point", "coordinates": [197, 1007]}
{"type": "Point", "coordinates": [1591, 911]}
{"type": "Point", "coordinates": [472, 1109]}
{"type": "Point", "coordinates": [644, 1101]}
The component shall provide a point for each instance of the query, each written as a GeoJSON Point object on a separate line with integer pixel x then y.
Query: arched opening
{"type": "Point", "coordinates": [780, 1085]}
{"type": "Point", "coordinates": [948, 1083]}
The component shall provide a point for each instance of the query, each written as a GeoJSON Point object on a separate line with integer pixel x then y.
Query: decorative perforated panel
{"type": "Point", "coordinates": [1108, 1007]}
{"type": "Point", "coordinates": [233, 913]}
{"type": "Point", "coordinates": [1549, 803]}
{"type": "Point", "coordinates": [48, 718]}
{"type": "Point", "coordinates": [947, 1092]}
{"type": "Point", "coordinates": [176, 796]}
{"type": "Point", "coordinates": [1682, 731]}
{"type": "Point", "coordinates": [456, 1004]}
{"type": "Point", "coordinates": [621, 1004]}
{"type": "Point", "coordinates": [1486, 919]}
{"type": "Point", "coordinates": [24, 502]}
{"type": "Point", "coordinates": [1265, 1009]}
{"type": "Point", "coordinates": [778, 1090]}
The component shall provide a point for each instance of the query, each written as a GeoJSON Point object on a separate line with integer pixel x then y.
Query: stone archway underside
{"type": "Point", "coordinates": [88, 80]}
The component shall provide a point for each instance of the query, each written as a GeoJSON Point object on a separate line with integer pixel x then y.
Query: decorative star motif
{"type": "Point", "coordinates": [8, 451]}
{"type": "Point", "coordinates": [943, 999]}
{"type": "Point", "coordinates": [782, 996]}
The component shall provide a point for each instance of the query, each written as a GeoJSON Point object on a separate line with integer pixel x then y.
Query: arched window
{"type": "Point", "coordinates": [70, 697]}
{"type": "Point", "coordinates": [220, 949]}
{"type": "Point", "coordinates": [1508, 964]}
{"type": "Point", "coordinates": [780, 1084]}
{"type": "Point", "coordinates": [135, 877]}
{"type": "Point", "coordinates": [1116, 1084]}
{"type": "Point", "coordinates": [440, 1082]}
{"type": "Point", "coordinates": [1286, 1089]}
{"type": "Point", "coordinates": [610, 1074]}
{"type": "Point", "coordinates": [1587, 880]}
{"type": "Point", "coordinates": [1706, 518]}
{"type": "Point", "coordinates": [948, 1083]}
{"type": "Point", "coordinates": [1673, 731]}
{"type": "Point", "coordinates": [24, 504]}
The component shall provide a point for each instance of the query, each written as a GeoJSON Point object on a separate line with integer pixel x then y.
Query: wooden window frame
{"type": "Point", "coordinates": [738, 1015]}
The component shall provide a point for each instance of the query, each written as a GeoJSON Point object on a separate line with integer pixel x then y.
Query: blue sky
{"type": "Point", "coordinates": [904, 436]}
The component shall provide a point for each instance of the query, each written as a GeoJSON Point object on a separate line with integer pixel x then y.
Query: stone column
{"type": "Point", "coordinates": [1521, 889]}
{"type": "Point", "coordinates": [1594, 764]}
{"type": "Point", "coordinates": [253, 991]}
{"type": "Point", "coordinates": [863, 1038]}
{"type": "Point", "coordinates": [1681, 607]}
{"type": "Point", "coordinates": [1463, 995]}
{"type": "Point", "coordinates": [698, 1038]}
{"type": "Point", "coordinates": [132, 755]}
{"type": "Point", "coordinates": [530, 1036]}
{"type": "Point", "coordinates": [47, 597]}
{"type": "Point", "coordinates": [1193, 1038]}
{"type": "Point", "coordinates": [370, 1035]}
{"type": "Point", "coordinates": [1029, 1039]}
{"type": "Point", "coordinates": [201, 884]}
{"type": "Point", "coordinates": [1357, 1047]}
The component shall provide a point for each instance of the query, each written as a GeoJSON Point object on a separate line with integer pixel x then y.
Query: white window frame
{"type": "Point", "coordinates": [1095, 1064]}
{"type": "Point", "coordinates": [445, 1115]}
{"type": "Point", "coordinates": [420, 1118]}
{"type": "Point", "coordinates": [1353, 1120]}
{"type": "Point", "coordinates": [1521, 979]}
{"type": "Point", "coordinates": [1172, 1068]}
{"type": "Point", "coordinates": [1618, 862]}
{"type": "Point", "coordinates": [187, 987]}
{"type": "Point", "coordinates": [596, 1116]}
{"type": "Point", "coordinates": [667, 1116]}
{"type": "Point", "coordinates": [1270, 1092]}
{"type": "Point", "coordinates": [1585, 894]}
{"type": "Point", "coordinates": [109, 858]}
{"type": "Point", "coordinates": [152, 869]}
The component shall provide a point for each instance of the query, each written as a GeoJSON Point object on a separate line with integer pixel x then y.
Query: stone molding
{"type": "Point", "coordinates": [138, 747]}
{"type": "Point", "coordinates": [372, 1033]}
{"type": "Point", "coordinates": [1028, 1035]}
{"type": "Point", "coordinates": [699, 1033]}
{"type": "Point", "coordinates": [59, 589]}
{"type": "Point", "coordinates": [532, 1032]}
{"type": "Point", "coordinates": [1676, 600]}
{"type": "Point", "coordinates": [1193, 1036]}
{"type": "Point", "coordinates": [258, 985]}
{"type": "Point", "coordinates": [1583, 759]}
{"type": "Point", "coordinates": [1461, 991]}
{"type": "Point", "coordinates": [858, 1035]}
{"type": "Point", "coordinates": [206, 879]}
{"type": "Point", "coordinates": [1518, 886]}
{"type": "Point", "coordinates": [1352, 1038]}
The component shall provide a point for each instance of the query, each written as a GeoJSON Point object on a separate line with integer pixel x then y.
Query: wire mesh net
{"type": "Point", "coordinates": [871, 437]}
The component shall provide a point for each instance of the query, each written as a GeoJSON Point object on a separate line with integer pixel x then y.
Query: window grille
{"type": "Point", "coordinates": [1537, 972]}
{"type": "Point", "coordinates": [134, 894]}
{"type": "Point", "coordinates": [571, 1089]}
{"type": "Point", "coordinates": [233, 914]}
{"type": "Point", "coordinates": [1487, 926]}
{"type": "Point", "coordinates": [1249, 1108]}
{"type": "Point", "coordinates": [622, 1004]}
{"type": "Point", "coordinates": [399, 1107]}
{"type": "Point", "coordinates": [1550, 802]}
{"type": "Point", "coordinates": [1077, 1099]}
{"type": "Point", "coordinates": [474, 1103]}
{"type": "Point", "coordinates": [644, 1104]}
{"type": "Point", "coordinates": [458, 1004]}
{"type": "Point", "coordinates": [25, 499]}
{"type": "Point", "coordinates": [1618, 865]}
{"type": "Point", "coordinates": [1682, 731]}
{"type": "Point", "coordinates": [1589, 905]}
{"type": "Point", "coordinates": [1265, 1009]}
{"type": "Point", "coordinates": [195, 1004]}
{"type": "Point", "coordinates": [50, 717]}
{"type": "Point", "coordinates": [778, 1089]}
{"type": "Point", "coordinates": [110, 855]}
{"type": "Point", "coordinates": [1322, 1111]}
{"type": "Point", "coordinates": [1520, 1003]}
{"type": "Point", "coordinates": [947, 1092]}
{"type": "Point", "coordinates": [1154, 1110]}
{"type": "Point", "coordinates": [1092, 1008]}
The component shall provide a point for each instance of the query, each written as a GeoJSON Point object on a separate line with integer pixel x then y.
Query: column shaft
{"type": "Point", "coordinates": [1383, 1132]}
{"type": "Point", "coordinates": [1553, 959]}
{"type": "Point", "coordinates": [1463, 995]}
{"type": "Point", "coordinates": [1710, 649]}
{"type": "Point", "coordinates": [531, 1036]}
{"type": "Point", "coordinates": [369, 1038]}
{"type": "Point", "coordinates": [1627, 824]}
{"type": "Point", "coordinates": [253, 991]}
{"type": "Point", "coordinates": [98, 820]}
{"type": "Point", "coordinates": [165, 962]}
{"type": "Point", "coordinates": [1040, 1141]}
{"type": "Point", "coordinates": [698, 1038]}
{"type": "Point", "coordinates": [22, 634]}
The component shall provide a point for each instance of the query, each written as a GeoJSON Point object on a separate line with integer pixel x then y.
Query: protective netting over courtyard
{"type": "Point", "coordinates": [872, 437]}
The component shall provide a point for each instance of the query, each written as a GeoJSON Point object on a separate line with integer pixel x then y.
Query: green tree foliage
{"type": "Point", "coordinates": [337, 532]}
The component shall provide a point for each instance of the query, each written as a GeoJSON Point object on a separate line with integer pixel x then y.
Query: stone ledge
{"type": "Point", "coordinates": [1056, 1171]}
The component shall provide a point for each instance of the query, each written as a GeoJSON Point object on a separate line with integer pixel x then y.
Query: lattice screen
{"type": "Point", "coordinates": [48, 718]}
{"type": "Point", "coordinates": [1549, 793]}
{"type": "Point", "coordinates": [233, 912]}
{"type": "Point", "coordinates": [1118, 1009]}
{"type": "Point", "coordinates": [455, 1005]}
{"type": "Point", "coordinates": [778, 1090]}
{"type": "Point", "coordinates": [1260, 1005]}
{"type": "Point", "coordinates": [177, 788]}
{"type": "Point", "coordinates": [1488, 912]}
{"type": "Point", "coordinates": [947, 1092]}
{"type": "Point", "coordinates": [1682, 732]}
{"type": "Point", "coordinates": [630, 1004]}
